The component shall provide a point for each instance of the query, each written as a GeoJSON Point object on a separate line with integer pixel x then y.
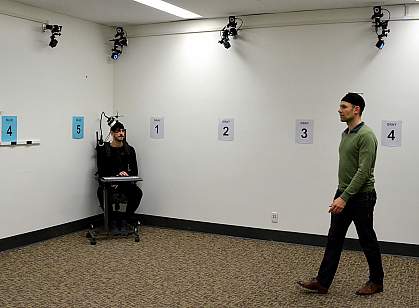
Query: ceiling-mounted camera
{"type": "Point", "coordinates": [381, 26]}
{"type": "Point", "coordinates": [55, 31]}
{"type": "Point", "coordinates": [120, 40]}
{"type": "Point", "coordinates": [229, 30]}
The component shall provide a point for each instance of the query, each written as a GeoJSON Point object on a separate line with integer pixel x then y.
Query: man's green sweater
{"type": "Point", "coordinates": [357, 153]}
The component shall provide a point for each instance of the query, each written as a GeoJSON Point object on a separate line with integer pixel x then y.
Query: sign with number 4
{"type": "Point", "coordinates": [391, 133]}
{"type": "Point", "coordinates": [9, 128]}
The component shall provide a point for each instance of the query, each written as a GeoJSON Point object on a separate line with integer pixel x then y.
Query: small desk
{"type": "Point", "coordinates": [108, 181]}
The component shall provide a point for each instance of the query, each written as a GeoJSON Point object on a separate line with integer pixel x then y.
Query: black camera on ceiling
{"type": "Point", "coordinates": [54, 28]}
{"type": "Point", "coordinates": [120, 40]}
{"type": "Point", "coordinates": [55, 31]}
{"type": "Point", "coordinates": [381, 26]}
{"type": "Point", "coordinates": [377, 14]}
{"type": "Point", "coordinates": [232, 21]}
{"type": "Point", "coordinates": [377, 11]}
{"type": "Point", "coordinates": [232, 25]}
{"type": "Point", "coordinates": [229, 30]}
{"type": "Point", "coordinates": [53, 43]}
{"type": "Point", "coordinates": [120, 37]}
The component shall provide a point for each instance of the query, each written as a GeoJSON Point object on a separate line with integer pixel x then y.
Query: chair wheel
{"type": "Point", "coordinates": [137, 239]}
{"type": "Point", "coordinates": [93, 242]}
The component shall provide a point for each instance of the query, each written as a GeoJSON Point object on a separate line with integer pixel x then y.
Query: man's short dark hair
{"type": "Point", "coordinates": [118, 125]}
{"type": "Point", "coordinates": [354, 99]}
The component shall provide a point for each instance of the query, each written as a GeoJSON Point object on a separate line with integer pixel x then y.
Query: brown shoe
{"type": "Point", "coordinates": [313, 285]}
{"type": "Point", "coordinates": [370, 288]}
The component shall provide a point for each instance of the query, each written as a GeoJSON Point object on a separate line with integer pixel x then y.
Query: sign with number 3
{"type": "Point", "coordinates": [304, 131]}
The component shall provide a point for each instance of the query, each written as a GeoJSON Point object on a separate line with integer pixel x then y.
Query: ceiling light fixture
{"type": "Point", "coordinates": [169, 8]}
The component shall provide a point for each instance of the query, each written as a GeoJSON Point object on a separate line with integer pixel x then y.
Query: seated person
{"type": "Point", "coordinates": [117, 158]}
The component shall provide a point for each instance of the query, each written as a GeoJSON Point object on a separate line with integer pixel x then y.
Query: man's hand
{"type": "Point", "coordinates": [123, 173]}
{"type": "Point", "coordinates": [337, 206]}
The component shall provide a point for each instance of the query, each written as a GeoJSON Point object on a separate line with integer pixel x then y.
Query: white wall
{"type": "Point", "coordinates": [268, 79]}
{"type": "Point", "coordinates": [50, 184]}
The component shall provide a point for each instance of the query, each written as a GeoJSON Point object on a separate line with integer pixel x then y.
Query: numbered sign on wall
{"type": "Point", "coordinates": [391, 133]}
{"type": "Point", "coordinates": [157, 128]}
{"type": "Point", "coordinates": [78, 127]}
{"type": "Point", "coordinates": [304, 131]}
{"type": "Point", "coordinates": [9, 128]}
{"type": "Point", "coordinates": [226, 130]}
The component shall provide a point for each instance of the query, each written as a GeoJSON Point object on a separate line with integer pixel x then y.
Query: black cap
{"type": "Point", "coordinates": [354, 99]}
{"type": "Point", "coordinates": [116, 126]}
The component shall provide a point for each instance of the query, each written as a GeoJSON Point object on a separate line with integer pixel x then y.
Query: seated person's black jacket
{"type": "Point", "coordinates": [111, 160]}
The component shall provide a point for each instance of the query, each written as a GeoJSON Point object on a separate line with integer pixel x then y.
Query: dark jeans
{"type": "Point", "coordinates": [359, 209]}
{"type": "Point", "coordinates": [132, 193]}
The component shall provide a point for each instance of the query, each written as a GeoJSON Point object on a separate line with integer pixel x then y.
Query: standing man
{"type": "Point", "coordinates": [353, 201]}
{"type": "Point", "coordinates": [118, 158]}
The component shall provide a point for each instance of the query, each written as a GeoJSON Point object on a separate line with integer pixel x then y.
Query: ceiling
{"type": "Point", "coordinates": [129, 12]}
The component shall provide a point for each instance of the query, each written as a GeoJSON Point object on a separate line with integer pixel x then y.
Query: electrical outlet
{"type": "Point", "coordinates": [274, 217]}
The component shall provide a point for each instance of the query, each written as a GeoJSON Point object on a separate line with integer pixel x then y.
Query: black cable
{"type": "Point", "coordinates": [100, 124]}
{"type": "Point", "coordinates": [389, 13]}
{"type": "Point", "coordinates": [240, 27]}
{"type": "Point", "coordinates": [100, 141]}
{"type": "Point", "coordinates": [107, 137]}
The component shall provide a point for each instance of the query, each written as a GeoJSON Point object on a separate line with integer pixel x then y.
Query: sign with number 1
{"type": "Point", "coordinates": [9, 128]}
{"type": "Point", "coordinates": [157, 128]}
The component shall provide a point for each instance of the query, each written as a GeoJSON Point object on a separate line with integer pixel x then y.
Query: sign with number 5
{"type": "Point", "coordinates": [78, 127]}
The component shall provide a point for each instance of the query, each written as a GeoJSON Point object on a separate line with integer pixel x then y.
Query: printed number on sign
{"type": "Point", "coordinates": [9, 131]}
{"type": "Point", "coordinates": [391, 135]}
{"type": "Point", "coordinates": [225, 131]}
{"type": "Point", "coordinates": [304, 135]}
{"type": "Point", "coordinates": [156, 128]}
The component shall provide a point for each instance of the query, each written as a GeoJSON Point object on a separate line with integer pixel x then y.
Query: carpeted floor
{"type": "Point", "coordinates": [172, 268]}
